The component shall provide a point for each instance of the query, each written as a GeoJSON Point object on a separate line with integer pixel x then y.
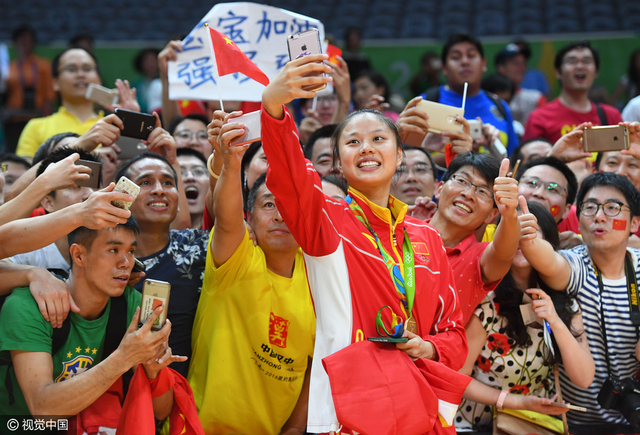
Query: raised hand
{"type": "Point", "coordinates": [104, 132]}
{"type": "Point", "coordinates": [142, 346]}
{"type": "Point", "coordinates": [528, 223]}
{"type": "Point", "coordinates": [423, 208]}
{"type": "Point", "coordinates": [168, 54]}
{"type": "Point", "coordinates": [505, 190]}
{"type": "Point", "coordinates": [569, 147]}
{"type": "Point", "coordinates": [309, 124]}
{"type": "Point", "coordinates": [543, 306]}
{"type": "Point", "coordinates": [65, 173]}
{"type": "Point", "coordinates": [413, 123]}
{"type": "Point", "coordinates": [377, 103]}
{"type": "Point", "coordinates": [634, 139]}
{"type": "Point", "coordinates": [97, 212]}
{"type": "Point", "coordinates": [461, 141]}
{"type": "Point", "coordinates": [161, 142]}
{"type": "Point", "coordinates": [232, 155]}
{"type": "Point", "coordinates": [287, 85]}
{"type": "Point", "coordinates": [127, 94]}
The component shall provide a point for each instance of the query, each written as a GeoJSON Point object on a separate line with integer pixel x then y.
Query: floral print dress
{"type": "Point", "coordinates": [504, 365]}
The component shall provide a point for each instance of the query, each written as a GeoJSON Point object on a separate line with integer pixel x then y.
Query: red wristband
{"type": "Point", "coordinates": [162, 383]}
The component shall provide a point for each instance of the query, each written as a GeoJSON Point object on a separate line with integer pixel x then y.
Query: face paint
{"type": "Point", "coordinates": [555, 210]}
{"type": "Point", "coordinates": [619, 224]}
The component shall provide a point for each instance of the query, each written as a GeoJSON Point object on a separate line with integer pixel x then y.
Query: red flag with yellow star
{"type": "Point", "coordinates": [230, 59]}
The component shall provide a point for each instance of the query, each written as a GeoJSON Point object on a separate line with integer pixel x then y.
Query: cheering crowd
{"type": "Point", "coordinates": [497, 269]}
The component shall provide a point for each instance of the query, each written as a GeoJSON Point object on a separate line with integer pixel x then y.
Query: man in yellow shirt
{"type": "Point", "coordinates": [254, 330]}
{"type": "Point", "coordinates": [73, 70]}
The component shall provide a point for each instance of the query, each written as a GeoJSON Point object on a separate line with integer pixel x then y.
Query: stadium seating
{"type": "Point", "coordinates": [121, 20]}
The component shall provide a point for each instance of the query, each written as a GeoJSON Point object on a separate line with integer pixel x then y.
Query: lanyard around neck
{"type": "Point", "coordinates": [405, 285]}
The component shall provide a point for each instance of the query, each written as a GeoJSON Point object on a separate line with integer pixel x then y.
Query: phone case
{"type": "Point", "coordinates": [441, 116]}
{"type": "Point", "coordinates": [137, 125]}
{"type": "Point", "coordinates": [127, 186]}
{"type": "Point", "coordinates": [475, 129]}
{"type": "Point", "coordinates": [252, 128]}
{"type": "Point", "coordinates": [154, 294]}
{"type": "Point", "coordinates": [101, 95]}
{"type": "Point", "coordinates": [305, 44]}
{"type": "Point", "coordinates": [606, 138]}
{"type": "Point", "coordinates": [95, 179]}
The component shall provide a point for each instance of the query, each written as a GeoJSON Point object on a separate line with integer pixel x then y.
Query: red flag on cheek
{"type": "Point", "coordinates": [230, 59]}
{"type": "Point", "coordinates": [619, 224]}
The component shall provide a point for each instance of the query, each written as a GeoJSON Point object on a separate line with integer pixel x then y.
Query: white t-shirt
{"type": "Point", "coordinates": [48, 257]}
{"type": "Point", "coordinates": [631, 112]}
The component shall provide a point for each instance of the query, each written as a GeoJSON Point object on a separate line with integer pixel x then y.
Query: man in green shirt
{"type": "Point", "coordinates": [61, 384]}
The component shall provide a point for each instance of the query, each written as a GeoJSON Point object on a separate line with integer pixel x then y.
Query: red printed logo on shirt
{"type": "Point", "coordinates": [278, 331]}
{"type": "Point", "coordinates": [420, 248]}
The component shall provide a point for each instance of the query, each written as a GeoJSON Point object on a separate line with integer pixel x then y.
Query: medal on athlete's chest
{"type": "Point", "coordinates": [411, 325]}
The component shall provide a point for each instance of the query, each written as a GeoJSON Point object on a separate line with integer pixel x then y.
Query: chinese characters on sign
{"type": "Point", "coordinates": [260, 31]}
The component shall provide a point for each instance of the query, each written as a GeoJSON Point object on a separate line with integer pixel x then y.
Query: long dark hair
{"type": "Point", "coordinates": [509, 296]}
{"type": "Point", "coordinates": [633, 73]}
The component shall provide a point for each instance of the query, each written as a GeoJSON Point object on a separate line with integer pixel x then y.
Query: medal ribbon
{"type": "Point", "coordinates": [405, 285]}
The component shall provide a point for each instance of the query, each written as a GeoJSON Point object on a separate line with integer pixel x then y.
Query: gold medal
{"type": "Point", "coordinates": [411, 325]}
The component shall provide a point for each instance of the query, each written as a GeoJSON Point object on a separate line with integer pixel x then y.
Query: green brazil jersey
{"type": "Point", "coordinates": [23, 328]}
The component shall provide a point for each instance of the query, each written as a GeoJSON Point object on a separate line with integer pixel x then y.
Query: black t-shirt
{"type": "Point", "coordinates": [181, 263]}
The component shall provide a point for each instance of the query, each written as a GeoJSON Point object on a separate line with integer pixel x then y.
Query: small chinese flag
{"type": "Point", "coordinates": [332, 52]}
{"type": "Point", "coordinates": [230, 59]}
{"type": "Point", "coordinates": [619, 224]}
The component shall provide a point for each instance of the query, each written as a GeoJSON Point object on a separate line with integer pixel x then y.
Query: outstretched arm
{"type": "Point", "coordinates": [496, 259]}
{"type": "Point", "coordinates": [552, 267]}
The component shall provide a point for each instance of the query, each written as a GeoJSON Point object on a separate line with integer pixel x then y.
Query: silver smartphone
{"type": "Point", "coordinates": [155, 294]}
{"type": "Point", "coordinates": [252, 127]}
{"type": "Point", "coordinates": [95, 178]}
{"type": "Point", "coordinates": [475, 129]}
{"type": "Point", "coordinates": [305, 44]}
{"type": "Point", "coordinates": [101, 95]}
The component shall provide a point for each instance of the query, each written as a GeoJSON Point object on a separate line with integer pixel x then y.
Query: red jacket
{"type": "Point", "coordinates": [348, 278]}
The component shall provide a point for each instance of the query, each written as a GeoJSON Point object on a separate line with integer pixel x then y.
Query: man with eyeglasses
{"type": "Point", "coordinates": [576, 67]}
{"type": "Point", "coordinates": [551, 183]}
{"type": "Point", "coordinates": [600, 276]}
{"type": "Point", "coordinates": [472, 192]}
{"type": "Point", "coordinates": [191, 132]}
{"type": "Point", "coordinates": [416, 176]}
{"type": "Point", "coordinates": [73, 70]}
{"type": "Point", "coordinates": [195, 179]}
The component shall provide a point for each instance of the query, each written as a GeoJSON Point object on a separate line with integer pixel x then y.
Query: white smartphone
{"type": "Point", "coordinates": [252, 127]}
{"type": "Point", "coordinates": [568, 406]}
{"type": "Point", "coordinates": [101, 95]}
{"type": "Point", "coordinates": [155, 294]}
{"type": "Point", "coordinates": [441, 116]}
{"type": "Point", "coordinates": [127, 186]}
{"type": "Point", "coordinates": [528, 315]}
{"type": "Point", "coordinates": [305, 44]}
{"type": "Point", "coordinates": [475, 126]}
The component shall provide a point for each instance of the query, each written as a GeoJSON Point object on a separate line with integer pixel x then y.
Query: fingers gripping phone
{"type": "Point", "coordinates": [305, 44]}
{"type": "Point", "coordinates": [126, 186]}
{"type": "Point", "coordinates": [606, 138]}
{"type": "Point", "coordinates": [95, 178]}
{"type": "Point", "coordinates": [155, 294]}
{"type": "Point", "coordinates": [252, 127]}
{"type": "Point", "coordinates": [137, 125]}
{"type": "Point", "coordinates": [101, 95]}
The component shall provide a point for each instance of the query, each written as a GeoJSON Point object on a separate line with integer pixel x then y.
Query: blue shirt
{"type": "Point", "coordinates": [481, 106]}
{"type": "Point", "coordinates": [535, 79]}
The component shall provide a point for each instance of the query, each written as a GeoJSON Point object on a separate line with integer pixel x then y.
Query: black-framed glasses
{"type": "Point", "coordinates": [611, 208]}
{"type": "Point", "coordinates": [483, 192]}
{"type": "Point", "coordinates": [419, 170]}
{"type": "Point", "coordinates": [188, 134]}
{"type": "Point", "coordinates": [534, 182]}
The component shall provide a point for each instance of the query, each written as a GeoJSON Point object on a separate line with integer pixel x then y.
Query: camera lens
{"type": "Point", "coordinates": [630, 408]}
{"type": "Point", "coordinates": [615, 137]}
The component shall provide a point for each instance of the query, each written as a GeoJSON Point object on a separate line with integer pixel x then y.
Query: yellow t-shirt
{"type": "Point", "coordinates": [39, 130]}
{"type": "Point", "coordinates": [252, 336]}
{"type": "Point", "coordinates": [489, 233]}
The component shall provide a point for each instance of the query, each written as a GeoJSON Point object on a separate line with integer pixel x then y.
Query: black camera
{"type": "Point", "coordinates": [622, 395]}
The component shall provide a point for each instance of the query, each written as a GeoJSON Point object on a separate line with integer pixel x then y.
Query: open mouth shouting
{"type": "Point", "coordinates": [191, 191]}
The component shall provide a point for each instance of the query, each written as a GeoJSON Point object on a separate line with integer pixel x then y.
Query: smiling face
{"type": "Point", "coordinates": [368, 153]}
{"type": "Point", "coordinates": [195, 179]}
{"type": "Point", "coordinates": [158, 198]}
{"type": "Point", "coordinates": [621, 164]}
{"type": "Point", "coordinates": [271, 232]}
{"type": "Point", "coordinates": [76, 71]}
{"type": "Point", "coordinates": [192, 133]}
{"type": "Point", "coordinates": [464, 64]}
{"type": "Point", "coordinates": [578, 70]}
{"type": "Point", "coordinates": [532, 186]}
{"type": "Point", "coordinates": [413, 178]}
{"type": "Point", "coordinates": [598, 231]}
{"type": "Point", "coordinates": [106, 264]}
{"type": "Point", "coordinates": [466, 207]}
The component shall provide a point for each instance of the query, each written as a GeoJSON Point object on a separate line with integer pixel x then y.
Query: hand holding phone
{"type": "Point", "coordinates": [441, 116]}
{"type": "Point", "coordinates": [95, 178]}
{"type": "Point", "coordinates": [155, 294]}
{"type": "Point", "coordinates": [101, 95]}
{"type": "Point", "coordinates": [606, 138]}
{"type": "Point", "coordinates": [126, 186]}
{"type": "Point", "coordinates": [252, 128]}
{"type": "Point", "coordinates": [305, 44]}
{"type": "Point", "coordinates": [136, 125]}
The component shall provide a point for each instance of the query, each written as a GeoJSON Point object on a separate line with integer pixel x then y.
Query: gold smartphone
{"type": "Point", "coordinates": [441, 116]}
{"type": "Point", "coordinates": [155, 294]}
{"type": "Point", "coordinates": [606, 138]}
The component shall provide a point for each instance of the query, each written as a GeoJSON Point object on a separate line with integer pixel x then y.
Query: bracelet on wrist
{"type": "Point", "coordinates": [209, 163]}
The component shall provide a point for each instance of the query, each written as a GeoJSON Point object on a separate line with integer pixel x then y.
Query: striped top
{"type": "Point", "coordinates": [622, 336]}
